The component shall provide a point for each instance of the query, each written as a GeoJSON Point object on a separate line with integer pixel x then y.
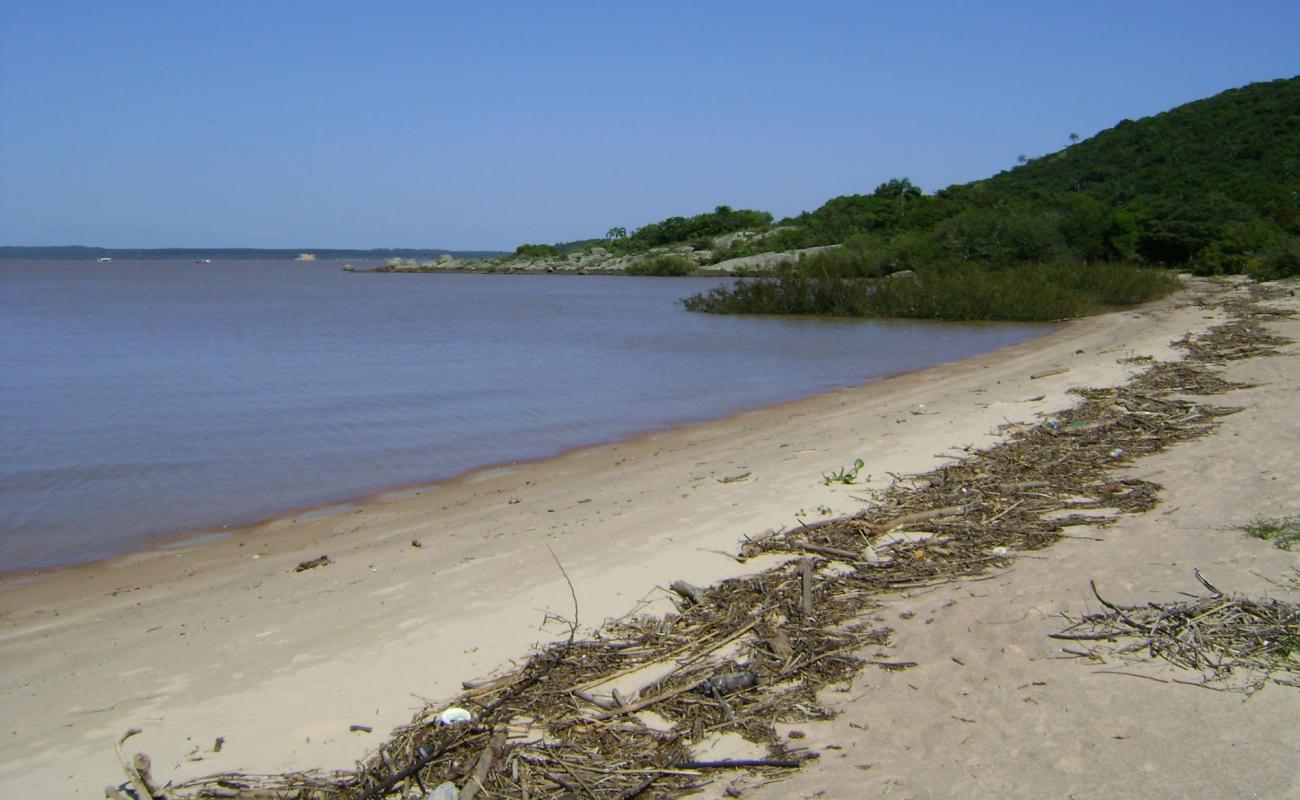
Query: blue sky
{"type": "Point", "coordinates": [488, 124]}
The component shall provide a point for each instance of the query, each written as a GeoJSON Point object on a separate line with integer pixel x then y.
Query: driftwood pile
{"type": "Point", "coordinates": [615, 715]}
{"type": "Point", "coordinates": [1233, 641]}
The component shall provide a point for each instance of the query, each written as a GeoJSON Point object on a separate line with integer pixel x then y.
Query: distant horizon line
{"type": "Point", "coordinates": [75, 250]}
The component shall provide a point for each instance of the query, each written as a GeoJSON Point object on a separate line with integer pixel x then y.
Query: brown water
{"type": "Point", "coordinates": [147, 398]}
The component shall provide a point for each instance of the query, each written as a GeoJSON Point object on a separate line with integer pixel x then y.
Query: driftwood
{"type": "Point", "coordinates": [833, 552]}
{"type": "Point", "coordinates": [139, 780]}
{"type": "Point", "coordinates": [1049, 373]}
{"type": "Point", "coordinates": [921, 516]}
{"type": "Point", "coordinates": [1235, 642]}
{"type": "Point", "coordinates": [640, 704]}
{"type": "Point", "coordinates": [739, 763]}
{"type": "Point", "coordinates": [689, 591]}
{"type": "Point", "coordinates": [806, 584]}
{"type": "Point", "coordinates": [483, 766]}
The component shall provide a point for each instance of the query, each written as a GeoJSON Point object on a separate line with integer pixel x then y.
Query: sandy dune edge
{"type": "Point", "coordinates": [194, 643]}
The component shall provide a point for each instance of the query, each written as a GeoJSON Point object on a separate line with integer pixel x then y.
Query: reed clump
{"type": "Point", "coordinates": [957, 293]}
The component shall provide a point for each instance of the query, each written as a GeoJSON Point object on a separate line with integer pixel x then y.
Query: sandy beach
{"type": "Point", "coordinates": [435, 585]}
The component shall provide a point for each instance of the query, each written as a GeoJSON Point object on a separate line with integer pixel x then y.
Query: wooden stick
{"type": "Point", "coordinates": [922, 516]}
{"type": "Point", "coordinates": [822, 523]}
{"type": "Point", "coordinates": [740, 762]}
{"type": "Point", "coordinates": [754, 541]}
{"type": "Point", "coordinates": [134, 777]}
{"type": "Point", "coordinates": [693, 594]}
{"type": "Point", "coordinates": [1015, 487]}
{"type": "Point", "coordinates": [485, 686]}
{"type": "Point", "coordinates": [588, 697]}
{"type": "Point", "coordinates": [636, 791]}
{"type": "Point", "coordinates": [638, 705]}
{"type": "Point", "coordinates": [1049, 373]}
{"type": "Point", "coordinates": [805, 576]}
{"type": "Point", "coordinates": [472, 787]}
{"type": "Point", "coordinates": [726, 707]}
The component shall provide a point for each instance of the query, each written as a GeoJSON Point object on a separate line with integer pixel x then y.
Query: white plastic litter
{"type": "Point", "coordinates": [454, 716]}
{"type": "Point", "coordinates": [443, 791]}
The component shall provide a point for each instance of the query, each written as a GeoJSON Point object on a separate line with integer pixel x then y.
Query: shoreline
{"type": "Point", "coordinates": [279, 650]}
{"type": "Point", "coordinates": [200, 536]}
{"type": "Point", "coordinates": [170, 540]}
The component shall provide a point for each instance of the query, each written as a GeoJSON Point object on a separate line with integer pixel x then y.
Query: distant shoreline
{"type": "Point", "coordinates": [85, 253]}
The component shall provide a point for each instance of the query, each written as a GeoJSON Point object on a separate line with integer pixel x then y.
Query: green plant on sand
{"type": "Point", "coordinates": [1284, 533]}
{"type": "Point", "coordinates": [844, 474]}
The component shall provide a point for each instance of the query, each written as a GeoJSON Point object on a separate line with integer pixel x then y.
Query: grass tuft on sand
{"type": "Point", "coordinates": [1284, 532]}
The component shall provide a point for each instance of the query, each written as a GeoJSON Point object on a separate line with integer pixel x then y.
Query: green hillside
{"type": "Point", "coordinates": [1187, 176]}
{"type": "Point", "coordinates": [1212, 187]}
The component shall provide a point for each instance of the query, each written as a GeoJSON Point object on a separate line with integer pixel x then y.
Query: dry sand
{"type": "Point", "coordinates": [224, 638]}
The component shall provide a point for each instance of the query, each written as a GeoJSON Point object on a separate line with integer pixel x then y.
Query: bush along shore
{"type": "Point", "coordinates": [737, 656]}
{"type": "Point", "coordinates": [1209, 188]}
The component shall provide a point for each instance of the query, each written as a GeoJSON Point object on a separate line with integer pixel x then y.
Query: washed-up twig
{"type": "Point", "coordinates": [741, 763]}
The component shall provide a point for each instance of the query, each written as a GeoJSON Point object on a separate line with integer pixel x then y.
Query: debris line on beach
{"type": "Point", "coordinates": [1235, 642]}
{"type": "Point", "coordinates": [616, 714]}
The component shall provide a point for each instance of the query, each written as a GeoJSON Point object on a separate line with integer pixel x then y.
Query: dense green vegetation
{"type": "Point", "coordinates": [966, 292]}
{"type": "Point", "coordinates": [1211, 187]}
{"type": "Point", "coordinates": [665, 265]}
{"type": "Point", "coordinates": [697, 230]}
{"type": "Point", "coordinates": [537, 251]}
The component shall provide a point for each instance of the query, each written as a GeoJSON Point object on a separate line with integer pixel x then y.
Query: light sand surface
{"type": "Point", "coordinates": [996, 709]}
{"type": "Point", "coordinates": [225, 639]}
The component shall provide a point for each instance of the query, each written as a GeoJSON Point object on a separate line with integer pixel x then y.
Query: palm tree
{"type": "Point", "coordinates": [1074, 137]}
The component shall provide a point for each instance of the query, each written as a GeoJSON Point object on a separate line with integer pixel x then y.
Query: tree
{"type": "Point", "coordinates": [615, 233]}
{"type": "Point", "coordinates": [898, 189]}
{"type": "Point", "coordinates": [1074, 137]}
{"type": "Point", "coordinates": [1022, 159]}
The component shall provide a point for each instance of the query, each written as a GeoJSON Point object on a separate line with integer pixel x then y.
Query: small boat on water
{"type": "Point", "coordinates": [202, 261]}
{"type": "Point", "coordinates": [104, 260]}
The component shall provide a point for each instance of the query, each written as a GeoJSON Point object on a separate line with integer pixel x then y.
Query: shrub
{"type": "Point", "coordinates": [537, 251]}
{"type": "Point", "coordinates": [669, 266]}
{"type": "Point", "coordinates": [958, 292]}
{"type": "Point", "coordinates": [674, 230]}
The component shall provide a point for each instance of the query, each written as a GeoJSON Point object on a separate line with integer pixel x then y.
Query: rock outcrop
{"type": "Point", "coordinates": [601, 261]}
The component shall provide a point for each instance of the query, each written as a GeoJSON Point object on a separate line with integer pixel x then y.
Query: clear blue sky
{"type": "Point", "coordinates": [488, 124]}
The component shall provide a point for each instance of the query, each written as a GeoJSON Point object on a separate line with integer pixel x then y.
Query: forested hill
{"type": "Point", "coordinates": [1243, 144]}
{"type": "Point", "coordinates": [1212, 184]}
